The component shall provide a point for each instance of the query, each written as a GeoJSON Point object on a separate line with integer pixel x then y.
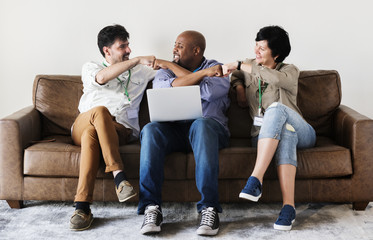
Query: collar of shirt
{"type": "Point", "coordinates": [106, 63]}
{"type": "Point", "coordinates": [200, 67]}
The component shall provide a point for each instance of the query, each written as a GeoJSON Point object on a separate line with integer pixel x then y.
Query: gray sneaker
{"type": "Point", "coordinates": [80, 220]}
{"type": "Point", "coordinates": [209, 225]}
{"type": "Point", "coordinates": [152, 220]}
{"type": "Point", "coordinates": [125, 191]}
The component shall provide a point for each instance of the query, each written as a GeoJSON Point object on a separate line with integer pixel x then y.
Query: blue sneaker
{"type": "Point", "coordinates": [286, 218]}
{"type": "Point", "coordinates": [253, 189]}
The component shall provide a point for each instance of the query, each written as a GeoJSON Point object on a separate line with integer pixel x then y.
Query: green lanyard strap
{"type": "Point", "coordinates": [262, 91]}
{"type": "Point", "coordinates": [260, 95]}
{"type": "Point", "coordinates": [122, 83]}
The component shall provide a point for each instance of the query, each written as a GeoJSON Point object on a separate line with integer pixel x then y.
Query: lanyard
{"type": "Point", "coordinates": [122, 83]}
{"type": "Point", "coordinates": [199, 68]}
{"type": "Point", "coordinates": [262, 91]}
{"type": "Point", "coordinates": [260, 95]}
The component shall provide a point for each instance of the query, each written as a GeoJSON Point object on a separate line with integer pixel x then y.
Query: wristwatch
{"type": "Point", "coordinates": [239, 65]}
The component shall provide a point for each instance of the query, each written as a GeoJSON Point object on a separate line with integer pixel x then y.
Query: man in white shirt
{"type": "Point", "coordinates": [112, 92]}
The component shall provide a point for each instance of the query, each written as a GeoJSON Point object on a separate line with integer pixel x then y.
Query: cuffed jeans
{"type": "Point", "coordinates": [283, 123]}
{"type": "Point", "coordinates": [96, 132]}
{"type": "Point", "coordinates": [203, 136]}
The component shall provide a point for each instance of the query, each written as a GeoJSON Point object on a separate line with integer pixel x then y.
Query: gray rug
{"type": "Point", "coordinates": [50, 220]}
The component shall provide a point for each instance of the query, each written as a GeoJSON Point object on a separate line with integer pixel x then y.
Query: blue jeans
{"type": "Point", "coordinates": [204, 136]}
{"type": "Point", "coordinates": [283, 123]}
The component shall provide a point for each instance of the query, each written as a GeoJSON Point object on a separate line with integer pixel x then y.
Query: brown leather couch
{"type": "Point", "coordinates": [39, 162]}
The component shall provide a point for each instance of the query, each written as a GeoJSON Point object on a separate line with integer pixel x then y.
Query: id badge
{"type": "Point", "coordinates": [258, 121]}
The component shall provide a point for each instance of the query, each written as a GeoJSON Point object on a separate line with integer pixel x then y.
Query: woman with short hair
{"type": "Point", "coordinates": [269, 88]}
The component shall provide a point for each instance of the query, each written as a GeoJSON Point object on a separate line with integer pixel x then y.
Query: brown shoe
{"type": "Point", "coordinates": [125, 191]}
{"type": "Point", "coordinates": [80, 220]}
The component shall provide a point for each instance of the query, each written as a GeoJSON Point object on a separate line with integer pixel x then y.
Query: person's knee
{"type": "Point", "coordinates": [101, 114]}
{"type": "Point", "coordinates": [203, 125]}
{"type": "Point", "coordinates": [274, 114]}
{"type": "Point", "coordinates": [102, 110]}
{"type": "Point", "coordinates": [151, 129]}
{"type": "Point", "coordinates": [276, 106]}
{"type": "Point", "coordinates": [201, 129]}
{"type": "Point", "coordinates": [89, 137]}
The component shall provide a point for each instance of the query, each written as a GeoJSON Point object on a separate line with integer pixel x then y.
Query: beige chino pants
{"type": "Point", "coordinates": [96, 131]}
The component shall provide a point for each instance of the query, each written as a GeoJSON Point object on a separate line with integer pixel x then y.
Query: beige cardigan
{"type": "Point", "coordinates": [282, 87]}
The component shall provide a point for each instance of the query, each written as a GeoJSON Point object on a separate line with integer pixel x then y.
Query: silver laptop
{"type": "Point", "coordinates": [174, 104]}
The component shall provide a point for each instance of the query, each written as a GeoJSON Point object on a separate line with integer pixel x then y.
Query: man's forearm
{"type": "Point", "coordinates": [113, 71]}
{"type": "Point", "coordinates": [196, 77]}
{"type": "Point", "coordinates": [184, 77]}
{"type": "Point", "coordinates": [175, 68]}
{"type": "Point", "coordinates": [189, 79]}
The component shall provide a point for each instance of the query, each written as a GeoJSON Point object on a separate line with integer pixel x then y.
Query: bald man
{"type": "Point", "coordinates": [204, 136]}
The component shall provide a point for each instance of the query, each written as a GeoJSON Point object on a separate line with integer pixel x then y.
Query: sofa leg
{"type": "Point", "coordinates": [359, 206]}
{"type": "Point", "coordinates": [15, 203]}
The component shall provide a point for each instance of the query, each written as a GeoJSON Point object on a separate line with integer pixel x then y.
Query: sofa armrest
{"type": "Point", "coordinates": [355, 131]}
{"type": "Point", "coordinates": [16, 133]}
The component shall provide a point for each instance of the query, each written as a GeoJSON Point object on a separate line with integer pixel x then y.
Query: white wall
{"type": "Point", "coordinates": [57, 37]}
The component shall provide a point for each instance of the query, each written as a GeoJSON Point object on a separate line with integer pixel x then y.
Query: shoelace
{"type": "Point", "coordinates": [120, 189]}
{"type": "Point", "coordinates": [151, 216]}
{"type": "Point", "coordinates": [208, 216]}
{"type": "Point", "coordinates": [80, 214]}
{"type": "Point", "coordinates": [121, 186]}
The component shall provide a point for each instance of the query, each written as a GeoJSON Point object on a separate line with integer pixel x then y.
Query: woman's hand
{"type": "Point", "coordinates": [229, 68]}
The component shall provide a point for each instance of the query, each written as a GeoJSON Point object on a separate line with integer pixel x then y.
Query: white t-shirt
{"type": "Point", "coordinates": [112, 94]}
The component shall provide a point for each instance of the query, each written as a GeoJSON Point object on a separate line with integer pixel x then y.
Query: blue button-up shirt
{"type": "Point", "coordinates": [214, 92]}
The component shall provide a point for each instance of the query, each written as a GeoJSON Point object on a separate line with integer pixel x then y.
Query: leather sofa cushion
{"type": "Point", "coordinates": [57, 98]}
{"type": "Point", "coordinates": [319, 96]}
{"type": "Point", "coordinates": [61, 159]}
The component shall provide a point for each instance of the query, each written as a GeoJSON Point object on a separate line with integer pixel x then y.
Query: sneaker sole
{"type": "Point", "coordinates": [73, 228]}
{"type": "Point", "coordinates": [150, 230]}
{"type": "Point", "coordinates": [205, 232]}
{"type": "Point", "coordinates": [127, 198]}
{"type": "Point", "coordinates": [283, 227]}
{"type": "Point", "coordinates": [249, 197]}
